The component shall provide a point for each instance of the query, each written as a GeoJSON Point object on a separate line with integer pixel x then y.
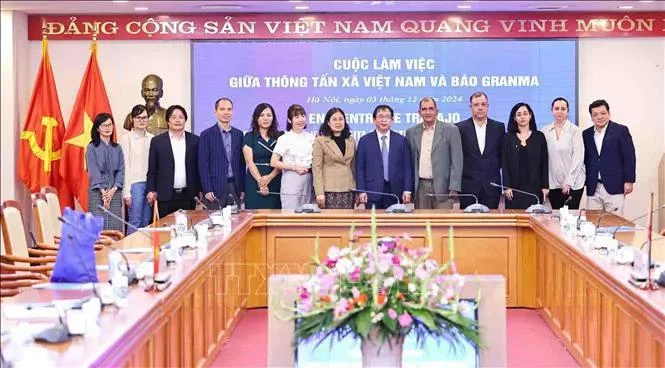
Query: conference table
{"type": "Point", "coordinates": [585, 299]}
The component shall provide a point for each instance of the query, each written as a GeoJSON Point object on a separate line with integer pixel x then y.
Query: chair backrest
{"type": "Point", "coordinates": [53, 202]}
{"type": "Point", "coordinates": [13, 230]}
{"type": "Point", "coordinates": [43, 219]}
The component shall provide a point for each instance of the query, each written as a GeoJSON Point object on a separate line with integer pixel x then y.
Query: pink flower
{"type": "Point", "coordinates": [392, 314]}
{"type": "Point", "coordinates": [396, 260]}
{"type": "Point", "coordinates": [355, 292]}
{"type": "Point", "coordinates": [327, 282]}
{"type": "Point", "coordinates": [421, 272]}
{"type": "Point", "coordinates": [333, 253]}
{"type": "Point", "coordinates": [398, 272]}
{"type": "Point", "coordinates": [340, 308]}
{"type": "Point", "coordinates": [405, 319]}
{"type": "Point", "coordinates": [331, 263]}
{"type": "Point", "coordinates": [305, 306]}
{"type": "Point", "coordinates": [355, 275]}
{"type": "Point", "coordinates": [304, 294]}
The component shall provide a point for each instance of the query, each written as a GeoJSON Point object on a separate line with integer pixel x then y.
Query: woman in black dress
{"type": "Point", "coordinates": [524, 159]}
{"type": "Point", "coordinates": [257, 150]}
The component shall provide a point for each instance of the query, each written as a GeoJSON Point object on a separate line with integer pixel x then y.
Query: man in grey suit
{"type": "Point", "coordinates": [436, 150]}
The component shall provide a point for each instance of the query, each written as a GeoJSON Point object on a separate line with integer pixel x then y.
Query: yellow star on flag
{"type": "Point", "coordinates": [82, 139]}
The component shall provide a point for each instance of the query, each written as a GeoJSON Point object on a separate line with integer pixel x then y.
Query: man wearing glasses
{"type": "Point", "coordinates": [383, 163]}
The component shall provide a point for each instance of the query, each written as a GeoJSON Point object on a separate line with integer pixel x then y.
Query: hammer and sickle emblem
{"type": "Point", "coordinates": [45, 154]}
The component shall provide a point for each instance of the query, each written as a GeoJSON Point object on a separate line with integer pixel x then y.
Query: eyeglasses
{"type": "Point", "coordinates": [106, 125]}
{"type": "Point", "coordinates": [141, 118]}
{"type": "Point", "coordinates": [383, 117]}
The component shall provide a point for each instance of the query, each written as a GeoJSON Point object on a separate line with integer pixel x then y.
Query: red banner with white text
{"type": "Point", "coordinates": [230, 26]}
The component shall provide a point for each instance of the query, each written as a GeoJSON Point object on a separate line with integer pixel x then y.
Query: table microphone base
{"type": "Point", "coordinates": [477, 208]}
{"type": "Point", "coordinates": [538, 208]}
{"type": "Point", "coordinates": [398, 208]}
{"type": "Point", "coordinates": [308, 208]}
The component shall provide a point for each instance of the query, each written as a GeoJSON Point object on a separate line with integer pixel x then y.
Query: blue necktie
{"type": "Point", "coordinates": [384, 157]}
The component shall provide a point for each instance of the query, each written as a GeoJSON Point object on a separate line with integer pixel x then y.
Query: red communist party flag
{"type": "Point", "coordinates": [90, 101]}
{"type": "Point", "coordinates": [40, 149]}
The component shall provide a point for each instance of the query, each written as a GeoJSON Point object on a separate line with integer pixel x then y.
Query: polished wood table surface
{"type": "Point", "coordinates": [585, 299]}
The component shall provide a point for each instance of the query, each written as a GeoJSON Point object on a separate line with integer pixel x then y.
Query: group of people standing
{"type": "Point", "coordinates": [434, 163]}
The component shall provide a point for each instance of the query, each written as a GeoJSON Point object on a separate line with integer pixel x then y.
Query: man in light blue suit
{"type": "Point", "coordinates": [383, 163]}
{"type": "Point", "coordinates": [221, 163]}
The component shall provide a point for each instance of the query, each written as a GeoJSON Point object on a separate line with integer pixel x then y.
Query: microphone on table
{"type": "Point", "coordinates": [534, 208]}
{"type": "Point", "coordinates": [198, 201]}
{"type": "Point", "coordinates": [578, 223]}
{"type": "Point", "coordinates": [140, 230]}
{"type": "Point", "coordinates": [303, 208]}
{"type": "Point", "coordinates": [603, 215]}
{"type": "Point", "coordinates": [472, 208]}
{"type": "Point", "coordinates": [635, 219]}
{"type": "Point", "coordinates": [395, 208]}
{"type": "Point", "coordinates": [570, 198]}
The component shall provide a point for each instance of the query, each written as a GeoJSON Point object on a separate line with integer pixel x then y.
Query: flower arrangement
{"type": "Point", "coordinates": [384, 289]}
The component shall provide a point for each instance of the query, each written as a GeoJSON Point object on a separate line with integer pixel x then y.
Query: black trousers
{"type": "Point", "coordinates": [179, 201]}
{"type": "Point", "coordinates": [384, 201]}
{"type": "Point", "coordinates": [557, 198]}
{"type": "Point", "coordinates": [491, 200]}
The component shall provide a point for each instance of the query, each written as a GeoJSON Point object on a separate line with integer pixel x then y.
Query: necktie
{"type": "Point", "coordinates": [384, 157]}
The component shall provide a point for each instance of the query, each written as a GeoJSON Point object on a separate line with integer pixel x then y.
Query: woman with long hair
{"type": "Point", "coordinates": [565, 148]}
{"type": "Point", "coordinates": [524, 159]}
{"type": "Point", "coordinates": [259, 144]}
{"type": "Point", "coordinates": [333, 162]}
{"type": "Point", "coordinates": [136, 144]}
{"type": "Point", "coordinates": [293, 155]}
{"type": "Point", "coordinates": [105, 165]}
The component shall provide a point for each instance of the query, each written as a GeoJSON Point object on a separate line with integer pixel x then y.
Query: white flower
{"type": "Point", "coordinates": [412, 288]}
{"type": "Point", "coordinates": [358, 261]}
{"type": "Point", "coordinates": [344, 252]}
{"type": "Point", "coordinates": [377, 317]}
{"type": "Point", "coordinates": [388, 282]}
{"type": "Point", "coordinates": [434, 288]}
{"type": "Point", "coordinates": [333, 253]}
{"type": "Point", "coordinates": [344, 266]}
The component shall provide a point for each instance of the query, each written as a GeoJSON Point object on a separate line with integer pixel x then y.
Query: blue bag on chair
{"type": "Point", "coordinates": [75, 262]}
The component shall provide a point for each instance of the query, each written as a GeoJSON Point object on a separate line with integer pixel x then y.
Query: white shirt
{"type": "Point", "coordinates": [179, 147]}
{"type": "Point", "coordinates": [565, 156]}
{"type": "Point", "coordinates": [295, 148]}
{"type": "Point", "coordinates": [387, 135]}
{"type": "Point", "coordinates": [137, 148]}
{"type": "Point", "coordinates": [481, 134]}
{"type": "Point", "coordinates": [598, 138]}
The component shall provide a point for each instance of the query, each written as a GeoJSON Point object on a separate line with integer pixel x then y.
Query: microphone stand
{"type": "Point", "coordinates": [534, 208]}
{"type": "Point", "coordinates": [303, 208]}
{"type": "Point", "coordinates": [161, 280]}
{"type": "Point", "coordinates": [614, 233]}
{"type": "Point", "coordinates": [603, 215]}
{"type": "Point", "coordinates": [395, 208]}
{"type": "Point", "coordinates": [472, 208]}
{"type": "Point", "coordinates": [649, 284]}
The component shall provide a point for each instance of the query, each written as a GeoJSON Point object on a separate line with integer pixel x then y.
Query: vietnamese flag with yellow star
{"type": "Point", "coordinates": [90, 101]}
{"type": "Point", "coordinates": [42, 136]}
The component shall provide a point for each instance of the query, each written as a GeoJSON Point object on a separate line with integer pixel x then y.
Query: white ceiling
{"type": "Point", "coordinates": [316, 6]}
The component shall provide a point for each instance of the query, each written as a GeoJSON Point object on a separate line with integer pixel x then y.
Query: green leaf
{"type": "Point", "coordinates": [423, 316]}
{"type": "Point", "coordinates": [364, 322]}
{"type": "Point", "coordinates": [390, 323]}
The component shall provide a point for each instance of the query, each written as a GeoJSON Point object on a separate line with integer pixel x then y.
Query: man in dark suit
{"type": "Point", "coordinates": [609, 157]}
{"type": "Point", "coordinates": [221, 162]}
{"type": "Point", "coordinates": [383, 163]}
{"type": "Point", "coordinates": [482, 141]}
{"type": "Point", "coordinates": [173, 175]}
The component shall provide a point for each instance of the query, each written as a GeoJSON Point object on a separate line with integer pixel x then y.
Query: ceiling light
{"type": "Point", "coordinates": [549, 7]}
{"type": "Point", "coordinates": [463, 6]}
{"type": "Point", "coordinates": [625, 7]}
{"type": "Point", "coordinates": [220, 6]}
{"type": "Point", "coordinates": [120, 1]}
{"type": "Point", "coordinates": [375, 3]}
{"type": "Point", "coordinates": [301, 7]}
{"type": "Point", "coordinates": [141, 8]}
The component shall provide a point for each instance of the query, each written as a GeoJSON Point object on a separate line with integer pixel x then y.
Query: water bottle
{"type": "Point", "coordinates": [120, 290]}
{"type": "Point", "coordinates": [115, 261]}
